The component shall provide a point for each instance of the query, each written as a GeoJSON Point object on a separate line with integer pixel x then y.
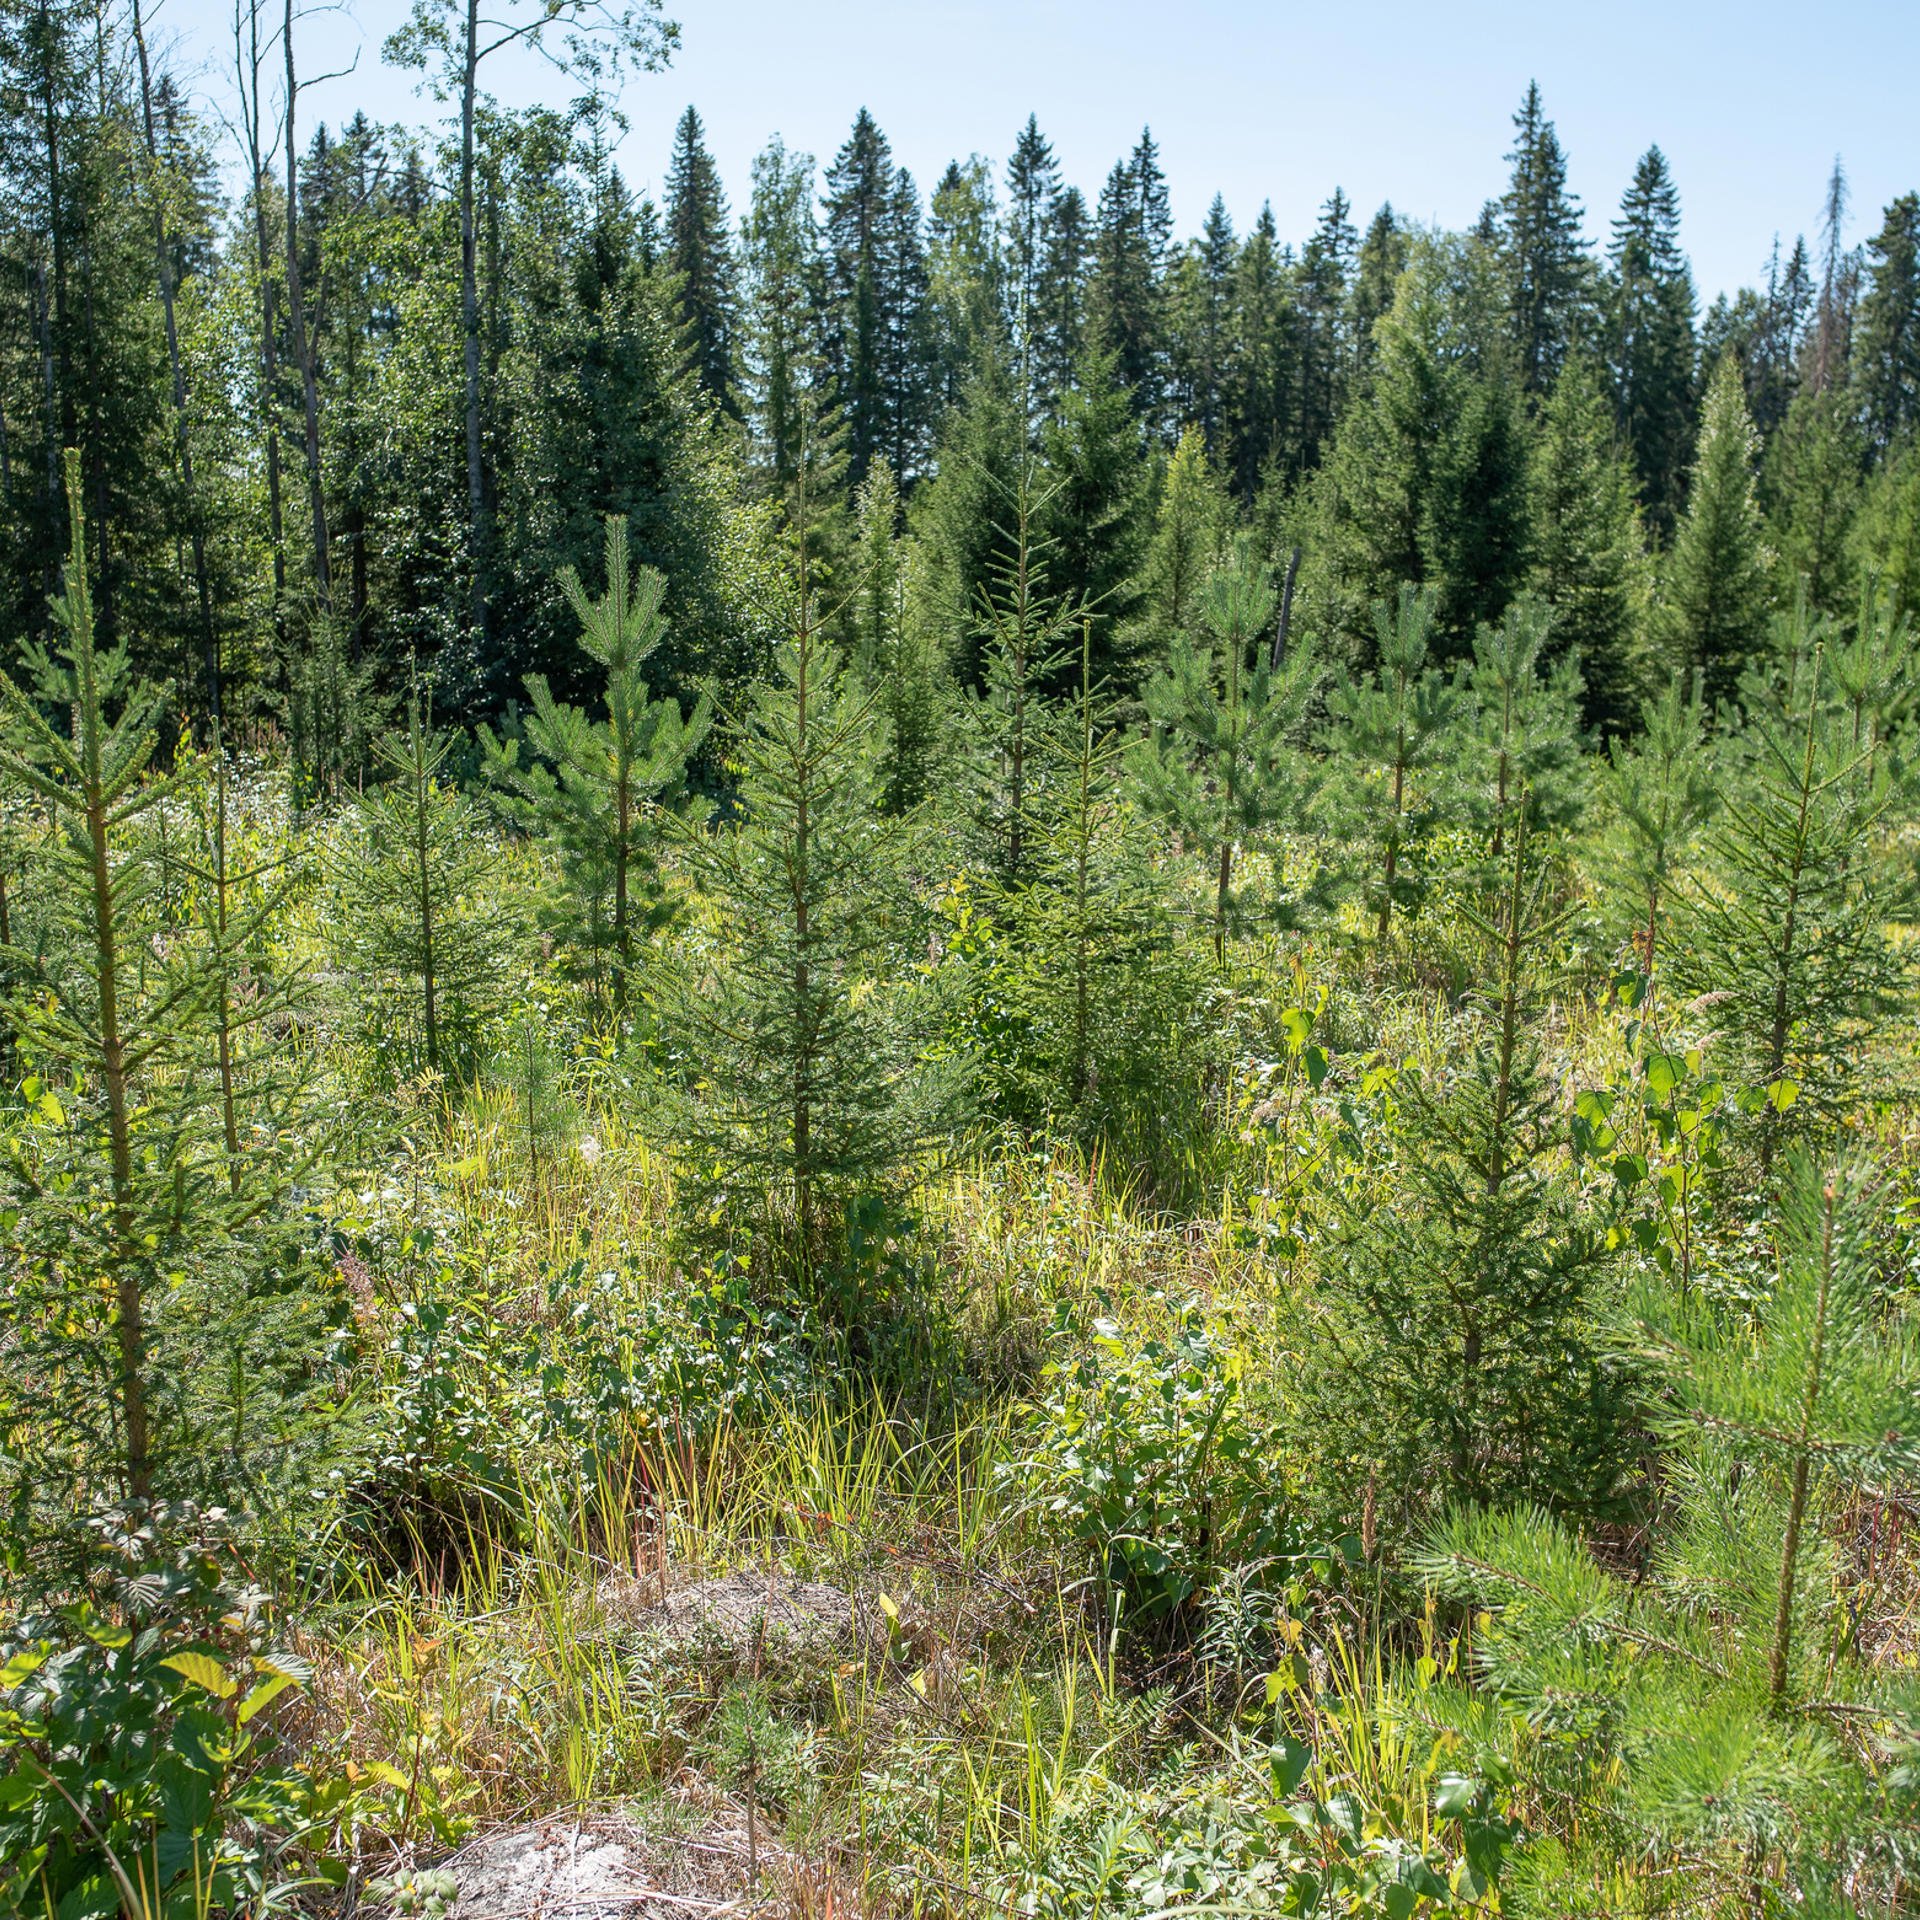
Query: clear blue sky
{"type": "Point", "coordinates": [1407, 100]}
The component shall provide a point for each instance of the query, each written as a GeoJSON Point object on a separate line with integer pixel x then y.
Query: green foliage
{"type": "Point", "coordinates": [1717, 1717]}
{"type": "Point", "coordinates": [417, 920]}
{"type": "Point", "coordinates": [1786, 924]}
{"type": "Point", "coordinates": [597, 787]}
{"type": "Point", "coordinates": [141, 1769]}
{"type": "Point", "coordinates": [1143, 1455]}
{"type": "Point", "coordinates": [1225, 763]}
{"type": "Point", "coordinates": [1390, 728]}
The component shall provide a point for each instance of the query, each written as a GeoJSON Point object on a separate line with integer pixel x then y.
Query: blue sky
{"type": "Point", "coordinates": [1396, 100]}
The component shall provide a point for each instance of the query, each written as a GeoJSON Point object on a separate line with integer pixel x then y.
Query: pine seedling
{"type": "Point", "coordinates": [1024, 630]}
{"type": "Point", "coordinates": [1222, 765]}
{"type": "Point", "coordinates": [1717, 1718]}
{"type": "Point", "coordinates": [1390, 729]}
{"type": "Point", "coordinates": [1786, 926]}
{"type": "Point", "coordinates": [1657, 791]}
{"type": "Point", "coordinates": [599, 786]}
{"type": "Point", "coordinates": [423, 935]}
{"type": "Point", "coordinates": [1528, 722]}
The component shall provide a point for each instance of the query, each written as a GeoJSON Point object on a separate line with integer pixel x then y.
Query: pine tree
{"type": "Point", "coordinates": [1786, 922]}
{"type": "Point", "coordinates": [1542, 251]}
{"type": "Point", "coordinates": [598, 786]}
{"type": "Point", "coordinates": [1389, 728]}
{"type": "Point", "coordinates": [1649, 333]}
{"type": "Point", "coordinates": [700, 258]}
{"type": "Point", "coordinates": [1886, 346]}
{"type": "Point", "coordinates": [1223, 765]}
{"type": "Point", "coordinates": [1715, 593]}
{"type": "Point", "coordinates": [1657, 790]}
{"type": "Point", "coordinates": [1717, 1713]}
{"type": "Point", "coordinates": [1589, 564]}
{"type": "Point", "coordinates": [1528, 721]}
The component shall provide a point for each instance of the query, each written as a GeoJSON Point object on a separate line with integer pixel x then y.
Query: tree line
{"type": "Point", "coordinates": [366, 408]}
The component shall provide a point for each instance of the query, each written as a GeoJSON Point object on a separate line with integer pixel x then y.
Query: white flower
{"type": "Point", "coordinates": [590, 1150]}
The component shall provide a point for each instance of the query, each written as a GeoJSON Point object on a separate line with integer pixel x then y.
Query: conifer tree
{"type": "Point", "coordinates": [965, 298]}
{"type": "Point", "coordinates": [796, 1037]}
{"type": "Point", "coordinates": [1589, 564]}
{"type": "Point", "coordinates": [1649, 335]}
{"type": "Point", "coordinates": [1033, 190]}
{"type": "Point", "coordinates": [1061, 335]}
{"type": "Point", "coordinates": [1223, 764]}
{"type": "Point", "coordinates": [1456, 1354]}
{"type": "Point", "coordinates": [1382, 258]}
{"type": "Point", "coordinates": [700, 258]}
{"type": "Point", "coordinates": [892, 654]}
{"type": "Point", "coordinates": [1527, 712]}
{"type": "Point", "coordinates": [1321, 354]}
{"type": "Point", "coordinates": [1202, 300]}
{"type": "Point", "coordinates": [781, 249]}
{"type": "Point", "coordinates": [1886, 347]}
{"type": "Point", "coordinates": [1128, 295]}
{"type": "Point", "coordinates": [1714, 598]}
{"type": "Point", "coordinates": [1716, 1718]}
{"type": "Point", "coordinates": [1190, 526]}
{"type": "Point", "coordinates": [1389, 728]}
{"type": "Point", "coordinates": [1886, 532]}
{"type": "Point", "coordinates": [598, 786]}
{"type": "Point", "coordinates": [144, 1276]}
{"type": "Point", "coordinates": [1542, 252]}
{"type": "Point", "coordinates": [1787, 921]}
{"type": "Point", "coordinates": [423, 934]}
{"type": "Point", "coordinates": [1810, 488]}
{"type": "Point", "coordinates": [1658, 791]}
{"type": "Point", "coordinates": [1263, 378]}
{"type": "Point", "coordinates": [1023, 628]}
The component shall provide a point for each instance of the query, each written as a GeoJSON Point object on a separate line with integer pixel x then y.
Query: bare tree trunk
{"type": "Point", "coordinates": [477, 529]}
{"type": "Point", "coordinates": [248, 66]}
{"type": "Point", "coordinates": [303, 344]}
{"type": "Point", "coordinates": [163, 261]}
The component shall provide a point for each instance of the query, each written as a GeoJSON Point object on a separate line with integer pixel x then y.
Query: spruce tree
{"type": "Point", "coordinates": [1190, 525]}
{"type": "Point", "coordinates": [1886, 346]}
{"type": "Point", "coordinates": [1321, 355]}
{"type": "Point", "coordinates": [893, 652]}
{"type": "Point", "coordinates": [700, 258]}
{"type": "Point", "coordinates": [1715, 1717]}
{"type": "Point", "coordinates": [1033, 189]}
{"type": "Point", "coordinates": [1382, 258]}
{"type": "Point", "coordinates": [1224, 765]}
{"type": "Point", "coordinates": [781, 254]}
{"type": "Point", "coordinates": [425, 942]}
{"type": "Point", "coordinates": [1810, 489]}
{"type": "Point", "coordinates": [1262, 404]}
{"type": "Point", "coordinates": [1061, 335]}
{"type": "Point", "coordinates": [1589, 563]}
{"type": "Point", "coordinates": [1128, 295]}
{"type": "Point", "coordinates": [156, 1291]}
{"type": "Point", "coordinates": [795, 1040]}
{"type": "Point", "coordinates": [1649, 338]}
{"type": "Point", "coordinates": [1542, 252]}
{"type": "Point", "coordinates": [1714, 596]}
{"type": "Point", "coordinates": [598, 787]}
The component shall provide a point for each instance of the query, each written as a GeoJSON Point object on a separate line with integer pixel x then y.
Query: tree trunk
{"type": "Point", "coordinates": [303, 342]}
{"type": "Point", "coordinates": [470, 322]}
{"type": "Point", "coordinates": [163, 259]}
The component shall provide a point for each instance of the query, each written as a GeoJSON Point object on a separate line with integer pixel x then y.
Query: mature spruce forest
{"type": "Point", "coordinates": [903, 1052]}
